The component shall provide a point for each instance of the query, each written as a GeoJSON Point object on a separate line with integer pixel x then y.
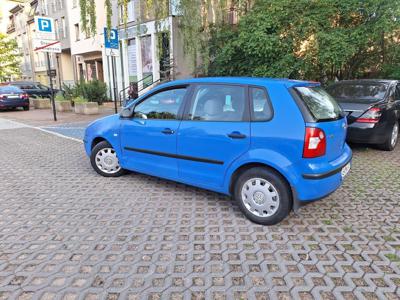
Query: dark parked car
{"type": "Point", "coordinates": [34, 89]}
{"type": "Point", "coordinates": [372, 108]}
{"type": "Point", "coordinates": [13, 97]}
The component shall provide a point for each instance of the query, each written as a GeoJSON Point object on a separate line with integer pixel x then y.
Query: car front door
{"type": "Point", "coordinates": [148, 139]}
{"type": "Point", "coordinates": [215, 131]}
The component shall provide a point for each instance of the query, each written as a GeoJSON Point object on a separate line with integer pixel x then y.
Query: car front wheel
{"type": "Point", "coordinates": [263, 196]}
{"type": "Point", "coordinates": [104, 160]}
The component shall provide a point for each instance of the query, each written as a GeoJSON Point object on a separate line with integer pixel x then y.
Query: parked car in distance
{"type": "Point", "coordinates": [34, 89]}
{"type": "Point", "coordinates": [13, 97]}
{"type": "Point", "coordinates": [271, 144]}
{"type": "Point", "coordinates": [372, 108]}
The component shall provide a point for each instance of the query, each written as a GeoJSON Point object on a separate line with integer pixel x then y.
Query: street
{"type": "Point", "coordinates": [68, 233]}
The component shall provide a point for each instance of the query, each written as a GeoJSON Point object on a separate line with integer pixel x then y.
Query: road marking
{"type": "Point", "coordinates": [9, 124]}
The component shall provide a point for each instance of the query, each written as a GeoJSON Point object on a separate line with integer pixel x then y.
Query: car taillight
{"type": "Point", "coordinates": [24, 96]}
{"type": "Point", "coordinates": [314, 143]}
{"type": "Point", "coordinates": [371, 116]}
{"type": "Point", "coordinates": [2, 96]}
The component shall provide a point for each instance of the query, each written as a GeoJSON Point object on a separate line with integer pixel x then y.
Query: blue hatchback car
{"type": "Point", "coordinates": [272, 144]}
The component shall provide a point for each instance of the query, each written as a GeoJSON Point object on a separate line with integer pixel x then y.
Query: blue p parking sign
{"type": "Point", "coordinates": [44, 25]}
{"type": "Point", "coordinates": [111, 42]}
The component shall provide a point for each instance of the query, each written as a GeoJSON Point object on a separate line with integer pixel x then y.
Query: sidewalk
{"type": "Point", "coordinates": [44, 117]}
{"type": "Point", "coordinates": [68, 123]}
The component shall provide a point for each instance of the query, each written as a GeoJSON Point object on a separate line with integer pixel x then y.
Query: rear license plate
{"type": "Point", "coordinates": [346, 170]}
{"type": "Point", "coordinates": [13, 97]}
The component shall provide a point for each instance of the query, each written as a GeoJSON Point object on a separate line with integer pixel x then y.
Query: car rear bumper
{"type": "Point", "coordinates": [322, 179]}
{"type": "Point", "coordinates": [367, 133]}
{"type": "Point", "coordinates": [14, 104]}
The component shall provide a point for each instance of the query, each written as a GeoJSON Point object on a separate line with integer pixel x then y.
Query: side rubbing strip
{"type": "Point", "coordinates": [199, 159]}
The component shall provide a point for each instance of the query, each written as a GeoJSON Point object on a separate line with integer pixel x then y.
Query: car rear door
{"type": "Point", "coordinates": [148, 139]}
{"type": "Point", "coordinates": [215, 131]}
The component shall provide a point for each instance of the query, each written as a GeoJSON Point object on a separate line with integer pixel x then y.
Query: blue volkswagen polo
{"type": "Point", "coordinates": [272, 144]}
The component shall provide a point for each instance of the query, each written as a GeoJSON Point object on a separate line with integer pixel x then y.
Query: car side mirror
{"type": "Point", "coordinates": [126, 112]}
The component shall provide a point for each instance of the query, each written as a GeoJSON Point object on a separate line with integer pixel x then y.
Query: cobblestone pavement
{"type": "Point", "coordinates": [68, 233]}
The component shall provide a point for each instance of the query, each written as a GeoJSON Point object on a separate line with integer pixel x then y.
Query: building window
{"type": "Point", "coordinates": [43, 7]}
{"type": "Point", "coordinates": [57, 29]}
{"type": "Point", "coordinates": [77, 32]}
{"type": "Point", "coordinates": [64, 28]}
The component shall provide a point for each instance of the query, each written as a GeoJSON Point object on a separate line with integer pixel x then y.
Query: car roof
{"type": "Point", "coordinates": [9, 85]}
{"type": "Point", "coordinates": [242, 80]}
{"type": "Point", "coordinates": [370, 81]}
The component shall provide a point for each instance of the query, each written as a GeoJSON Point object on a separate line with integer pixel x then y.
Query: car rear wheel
{"type": "Point", "coordinates": [392, 139]}
{"type": "Point", "coordinates": [26, 107]}
{"type": "Point", "coordinates": [263, 196]}
{"type": "Point", "coordinates": [104, 160]}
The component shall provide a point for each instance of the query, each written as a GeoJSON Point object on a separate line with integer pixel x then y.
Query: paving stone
{"type": "Point", "coordinates": [67, 233]}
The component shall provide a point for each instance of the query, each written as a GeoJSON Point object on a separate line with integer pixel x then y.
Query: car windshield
{"type": "Point", "coordinates": [9, 90]}
{"type": "Point", "coordinates": [358, 92]}
{"type": "Point", "coordinates": [321, 105]}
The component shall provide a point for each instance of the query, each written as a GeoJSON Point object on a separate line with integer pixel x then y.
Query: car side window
{"type": "Point", "coordinates": [218, 103]}
{"type": "Point", "coordinates": [261, 107]}
{"type": "Point", "coordinates": [42, 87]}
{"type": "Point", "coordinates": [161, 106]}
{"type": "Point", "coordinates": [397, 93]}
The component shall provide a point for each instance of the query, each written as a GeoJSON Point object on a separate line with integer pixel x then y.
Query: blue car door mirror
{"type": "Point", "coordinates": [126, 112]}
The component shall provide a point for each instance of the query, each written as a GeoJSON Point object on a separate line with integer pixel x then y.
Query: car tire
{"type": "Point", "coordinates": [392, 139]}
{"type": "Point", "coordinates": [104, 160]}
{"type": "Point", "coordinates": [263, 195]}
{"type": "Point", "coordinates": [26, 108]}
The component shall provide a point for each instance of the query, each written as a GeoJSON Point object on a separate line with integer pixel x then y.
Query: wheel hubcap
{"type": "Point", "coordinates": [260, 197]}
{"type": "Point", "coordinates": [395, 134]}
{"type": "Point", "coordinates": [107, 161]}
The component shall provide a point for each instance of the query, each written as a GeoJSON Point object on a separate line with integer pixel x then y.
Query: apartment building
{"type": "Point", "coordinates": [17, 29]}
{"type": "Point", "coordinates": [86, 50]}
{"type": "Point", "coordinates": [150, 49]}
{"type": "Point", "coordinates": [5, 6]}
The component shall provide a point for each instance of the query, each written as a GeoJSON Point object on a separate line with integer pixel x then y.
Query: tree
{"type": "Point", "coordinates": [319, 40]}
{"type": "Point", "coordinates": [9, 58]}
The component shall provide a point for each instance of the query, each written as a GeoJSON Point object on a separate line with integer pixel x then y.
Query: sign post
{"type": "Point", "coordinates": [111, 45]}
{"type": "Point", "coordinates": [45, 41]}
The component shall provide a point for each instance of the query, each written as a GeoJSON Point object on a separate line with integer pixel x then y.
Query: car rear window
{"type": "Point", "coordinates": [358, 92]}
{"type": "Point", "coordinates": [9, 89]}
{"type": "Point", "coordinates": [320, 104]}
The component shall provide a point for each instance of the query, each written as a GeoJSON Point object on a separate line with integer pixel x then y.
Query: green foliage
{"type": "Point", "coordinates": [80, 99]}
{"type": "Point", "coordinates": [59, 97]}
{"type": "Point", "coordinates": [9, 59]}
{"type": "Point", "coordinates": [88, 16]}
{"type": "Point", "coordinates": [92, 91]}
{"type": "Point", "coordinates": [320, 40]}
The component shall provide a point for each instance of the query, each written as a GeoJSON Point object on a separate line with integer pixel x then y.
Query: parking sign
{"type": "Point", "coordinates": [44, 24]}
{"type": "Point", "coordinates": [111, 42]}
{"type": "Point", "coordinates": [45, 28]}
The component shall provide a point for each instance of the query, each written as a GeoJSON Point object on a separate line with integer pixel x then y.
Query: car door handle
{"type": "Point", "coordinates": [236, 135]}
{"type": "Point", "coordinates": [168, 131]}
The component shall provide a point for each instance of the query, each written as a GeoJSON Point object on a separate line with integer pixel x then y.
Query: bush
{"type": "Point", "coordinates": [59, 97]}
{"type": "Point", "coordinates": [93, 91]}
{"type": "Point", "coordinates": [80, 99]}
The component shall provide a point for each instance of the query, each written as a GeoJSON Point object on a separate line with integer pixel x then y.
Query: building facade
{"type": "Point", "coordinates": [86, 50]}
{"type": "Point", "coordinates": [151, 50]}
{"type": "Point", "coordinates": [17, 29]}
